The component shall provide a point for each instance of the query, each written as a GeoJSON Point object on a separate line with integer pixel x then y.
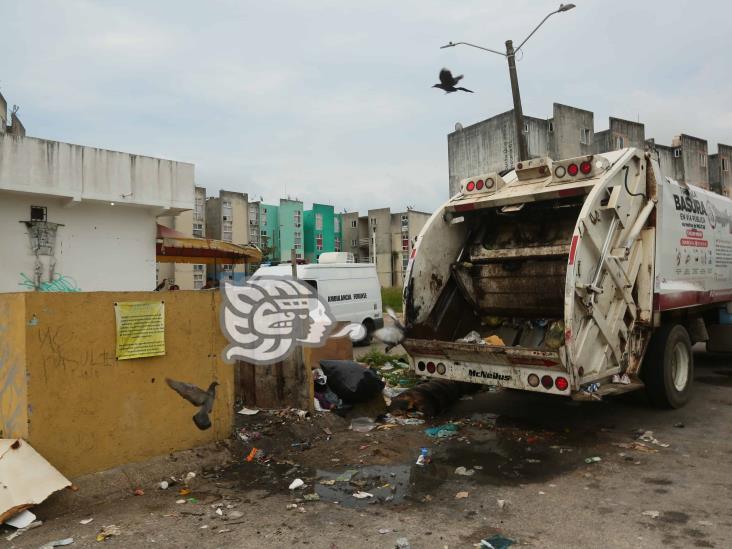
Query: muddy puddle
{"type": "Point", "coordinates": [488, 461]}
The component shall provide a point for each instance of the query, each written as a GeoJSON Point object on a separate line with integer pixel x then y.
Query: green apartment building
{"type": "Point", "coordinates": [319, 232]}
{"type": "Point", "coordinates": [269, 232]}
{"type": "Point", "coordinates": [291, 230]}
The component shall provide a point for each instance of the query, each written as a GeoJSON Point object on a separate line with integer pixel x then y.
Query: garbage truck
{"type": "Point", "coordinates": [584, 277]}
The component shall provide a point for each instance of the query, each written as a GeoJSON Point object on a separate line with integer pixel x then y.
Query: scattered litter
{"type": "Point", "coordinates": [248, 436]}
{"type": "Point", "coordinates": [86, 521]}
{"type": "Point", "coordinates": [180, 501]}
{"type": "Point", "coordinates": [410, 421]}
{"type": "Point", "coordinates": [621, 379]}
{"type": "Point", "coordinates": [464, 472]}
{"type": "Point", "coordinates": [402, 543]}
{"type": "Point", "coordinates": [204, 526]}
{"type": "Point", "coordinates": [192, 500]}
{"type": "Point", "coordinates": [647, 436]}
{"type": "Point", "coordinates": [21, 531]}
{"type": "Point", "coordinates": [593, 459]}
{"type": "Point", "coordinates": [302, 414]}
{"type": "Point", "coordinates": [163, 484]}
{"type": "Point", "coordinates": [291, 506]}
{"type": "Point", "coordinates": [220, 512]}
{"type": "Point", "coordinates": [184, 491]}
{"type": "Point", "coordinates": [384, 530]}
{"type": "Point", "coordinates": [329, 482]}
{"type": "Point", "coordinates": [679, 425]}
{"type": "Point", "coordinates": [297, 483]}
{"type": "Point", "coordinates": [423, 456]}
{"type": "Point", "coordinates": [57, 543]}
{"type": "Point", "coordinates": [362, 424]}
{"type": "Point", "coordinates": [21, 488]}
{"type": "Point", "coordinates": [252, 455]}
{"type": "Point", "coordinates": [590, 388]}
{"type": "Point", "coordinates": [442, 431]}
{"type": "Point", "coordinates": [346, 476]}
{"type": "Point", "coordinates": [108, 532]}
{"type": "Point", "coordinates": [351, 381]}
{"type": "Point", "coordinates": [21, 520]}
{"type": "Point", "coordinates": [189, 477]}
{"type": "Point", "coordinates": [496, 542]}
{"type": "Point", "coordinates": [471, 337]}
{"type": "Point", "coordinates": [223, 531]}
{"type": "Point", "coordinates": [248, 411]}
{"type": "Point", "coordinates": [542, 493]}
{"type": "Point", "coordinates": [638, 446]}
{"type": "Point", "coordinates": [704, 522]}
{"type": "Point", "coordinates": [233, 515]}
{"type": "Point", "coordinates": [311, 497]}
{"type": "Point", "coordinates": [461, 495]}
{"type": "Point", "coordinates": [362, 495]}
{"type": "Point", "coordinates": [502, 504]}
{"type": "Point", "coordinates": [532, 460]}
{"type": "Point", "coordinates": [494, 340]}
{"type": "Point", "coordinates": [652, 514]}
{"type": "Point", "coordinates": [139, 492]}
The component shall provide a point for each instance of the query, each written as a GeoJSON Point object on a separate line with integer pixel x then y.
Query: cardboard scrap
{"type": "Point", "coordinates": [26, 478]}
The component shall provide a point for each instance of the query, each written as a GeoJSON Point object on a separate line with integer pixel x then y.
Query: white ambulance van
{"type": "Point", "coordinates": [351, 290]}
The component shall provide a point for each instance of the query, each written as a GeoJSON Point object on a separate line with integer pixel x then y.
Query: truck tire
{"type": "Point", "coordinates": [668, 369]}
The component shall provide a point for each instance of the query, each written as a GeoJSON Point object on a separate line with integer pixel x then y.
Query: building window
{"type": "Point", "coordinates": [198, 230]}
{"type": "Point", "coordinates": [318, 222]}
{"type": "Point", "coordinates": [677, 153]}
{"type": "Point", "coordinates": [585, 136]}
{"type": "Point", "coordinates": [526, 127]}
{"type": "Point", "coordinates": [725, 166]}
{"type": "Point", "coordinates": [297, 218]}
{"type": "Point", "coordinates": [297, 235]}
{"type": "Point", "coordinates": [263, 233]}
{"type": "Point", "coordinates": [336, 225]}
{"type": "Point", "coordinates": [197, 277]}
{"type": "Point", "coordinates": [227, 272]}
{"type": "Point", "coordinates": [405, 222]}
{"type": "Point", "coordinates": [226, 209]}
{"type": "Point", "coordinates": [703, 160]}
{"type": "Point", "coordinates": [405, 243]}
{"type": "Point", "coordinates": [38, 213]}
{"type": "Point", "coordinates": [200, 205]}
{"type": "Point", "coordinates": [619, 142]}
{"type": "Point", "coordinates": [354, 242]}
{"type": "Point", "coordinates": [373, 222]}
{"type": "Point", "coordinates": [551, 127]}
{"type": "Point", "coordinates": [337, 244]}
{"type": "Point", "coordinates": [405, 263]}
{"type": "Point", "coordinates": [298, 255]}
{"type": "Point", "coordinates": [263, 219]}
{"type": "Point", "coordinates": [353, 224]}
{"type": "Point", "coordinates": [319, 241]}
{"type": "Point", "coordinates": [227, 233]}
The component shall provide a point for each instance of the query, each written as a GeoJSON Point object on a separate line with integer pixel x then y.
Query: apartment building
{"type": "Point", "coordinates": [720, 176]}
{"type": "Point", "coordinates": [227, 219]}
{"type": "Point", "coordinates": [269, 232]}
{"type": "Point", "coordinates": [686, 160]}
{"type": "Point", "coordinates": [291, 229]}
{"type": "Point", "coordinates": [319, 229]}
{"type": "Point", "coordinates": [191, 223]}
{"type": "Point", "coordinates": [383, 238]}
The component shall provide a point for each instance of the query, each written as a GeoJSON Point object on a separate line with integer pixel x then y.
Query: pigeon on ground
{"type": "Point", "coordinates": [197, 397]}
{"type": "Point", "coordinates": [391, 335]}
{"type": "Point", "coordinates": [448, 81]}
{"type": "Point", "coordinates": [161, 285]}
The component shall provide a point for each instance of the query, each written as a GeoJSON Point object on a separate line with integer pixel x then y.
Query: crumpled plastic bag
{"type": "Point", "coordinates": [471, 337]}
{"type": "Point", "coordinates": [351, 381]}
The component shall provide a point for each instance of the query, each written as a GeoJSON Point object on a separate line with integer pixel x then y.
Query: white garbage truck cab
{"type": "Point", "coordinates": [583, 277]}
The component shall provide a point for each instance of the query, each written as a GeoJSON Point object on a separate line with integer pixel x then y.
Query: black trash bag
{"type": "Point", "coordinates": [351, 381]}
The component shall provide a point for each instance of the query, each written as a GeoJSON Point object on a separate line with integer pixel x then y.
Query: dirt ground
{"type": "Point", "coordinates": [527, 451]}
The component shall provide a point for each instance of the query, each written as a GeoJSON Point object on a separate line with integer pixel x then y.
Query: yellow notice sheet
{"type": "Point", "coordinates": [140, 329]}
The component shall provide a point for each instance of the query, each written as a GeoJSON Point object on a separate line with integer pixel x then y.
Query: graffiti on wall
{"type": "Point", "coordinates": [58, 283]}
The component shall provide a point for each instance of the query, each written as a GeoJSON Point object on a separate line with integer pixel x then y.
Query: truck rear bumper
{"type": "Point", "coordinates": [524, 369]}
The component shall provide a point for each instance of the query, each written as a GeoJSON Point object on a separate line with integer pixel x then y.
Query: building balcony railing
{"type": "Point", "coordinates": [363, 242]}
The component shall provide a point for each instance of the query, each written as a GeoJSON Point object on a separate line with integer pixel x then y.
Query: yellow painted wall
{"type": "Point", "coordinates": [13, 387]}
{"type": "Point", "coordinates": [91, 412]}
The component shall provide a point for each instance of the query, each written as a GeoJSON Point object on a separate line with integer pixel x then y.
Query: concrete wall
{"type": "Point", "coordinates": [86, 411]}
{"type": "Point", "coordinates": [77, 173]}
{"type": "Point", "coordinates": [380, 243]}
{"type": "Point", "coordinates": [720, 172]}
{"type": "Point", "coordinates": [3, 113]}
{"type": "Point", "coordinates": [568, 123]}
{"type": "Point", "coordinates": [100, 247]}
{"type": "Point", "coordinates": [350, 233]}
{"type": "Point", "coordinates": [694, 155]}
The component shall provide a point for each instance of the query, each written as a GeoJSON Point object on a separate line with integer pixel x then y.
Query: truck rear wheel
{"type": "Point", "coordinates": [668, 369]}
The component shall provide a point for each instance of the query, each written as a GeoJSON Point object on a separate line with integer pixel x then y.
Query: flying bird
{"type": "Point", "coordinates": [448, 81]}
{"type": "Point", "coordinates": [197, 397]}
{"type": "Point", "coordinates": [391, 335]}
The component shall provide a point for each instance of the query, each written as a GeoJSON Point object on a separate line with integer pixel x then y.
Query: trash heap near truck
{"type": "Point", "coordinates": [583, 277]}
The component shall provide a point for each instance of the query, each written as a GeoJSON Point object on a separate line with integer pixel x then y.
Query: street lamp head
{"type": "Point", "coordinates": [566, 7]}
{"type": "Point", "coordinates": [448, 45]}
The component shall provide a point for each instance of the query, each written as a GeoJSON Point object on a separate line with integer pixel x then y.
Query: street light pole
{"type": "Point", "coordinates": [510, 55]}
{"type": "Point", "coordinates": [518, 113]}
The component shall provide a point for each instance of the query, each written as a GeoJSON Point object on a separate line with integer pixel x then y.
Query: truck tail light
{"type": "Point", "coordinates": [572, 169]}
{"type": "Point", "coordinates": [560, 172]}
{"type": "Point", "coordinates": [431, 367]}
{"type": "Point", "coordinates": [420, 366]}
{"type": "Point", "coordinates": [479, 185]}
{"type": "Point", "coordinates": [585, 167]}
{"type": "Point", "coordinates": [533, 380]}
{"type": "Point", "coordinates": [470, 186]}
{"type": "Point", "coordinates": [561, 383]}
{"type": "Point", "coordinates": [441, 368]}
{"type": "Point", "coordinates": [547, 382]}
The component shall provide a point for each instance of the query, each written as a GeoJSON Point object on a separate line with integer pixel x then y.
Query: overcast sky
{"type": "Point", "coordinates": [330, 101]}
